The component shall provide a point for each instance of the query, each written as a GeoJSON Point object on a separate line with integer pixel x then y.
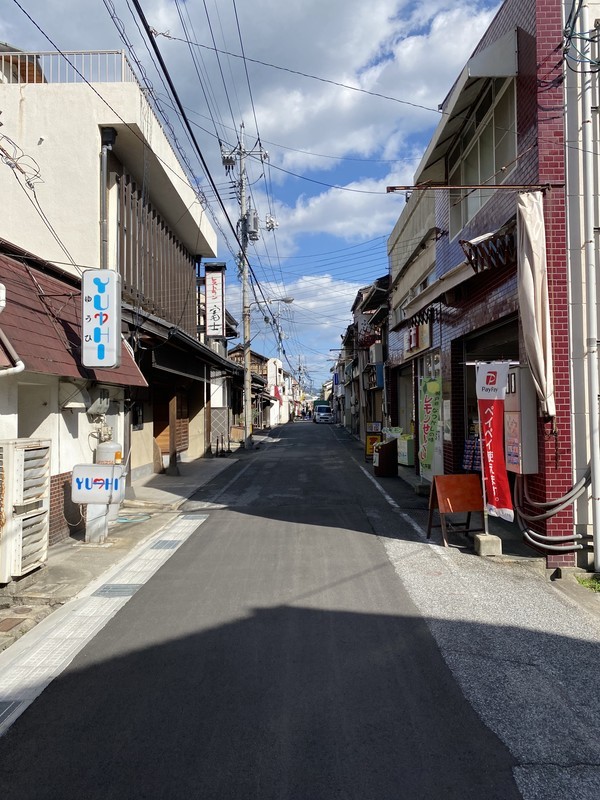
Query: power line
{"type": "Point", "coordinates": [197, 68]}
{"type": "Point", "coordinates": [219, 63]}
{"type": "Point", "coordinates": [175, 95]}
{"type": "Point", "coordinates": [305, 74]}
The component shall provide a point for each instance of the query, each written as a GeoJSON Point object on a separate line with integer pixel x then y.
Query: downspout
{"type": "Point", "coordinates": [588, 166]}
{"type": "Point", "coordinates": [103, 207]}
{"type": "Point", "coordinates": [108, 137]}
{"type": "Point", "coordinates": [19, 365]}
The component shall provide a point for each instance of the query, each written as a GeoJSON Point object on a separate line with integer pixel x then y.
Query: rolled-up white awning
{"type": "Point", "coordinates": [532, 278]}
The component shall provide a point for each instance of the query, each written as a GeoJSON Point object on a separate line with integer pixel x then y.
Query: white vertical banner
{"type": "Point", "coordinates": [101, 318]}
{"type": "Point", "coordinates": [214, 325]}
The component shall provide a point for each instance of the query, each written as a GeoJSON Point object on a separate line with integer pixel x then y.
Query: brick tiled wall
{"type": "Point", "coordinates": [492, 296]}
{"type": "Point", "coordinates": [555, 454]}
{"type": "Point", "coordinates": [65, 517]}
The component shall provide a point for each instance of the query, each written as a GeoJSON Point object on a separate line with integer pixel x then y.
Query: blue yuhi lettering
{"type": "Point", "coordinates": [101, 301]}
{"type": "Point", "coordinates": [98, 483]}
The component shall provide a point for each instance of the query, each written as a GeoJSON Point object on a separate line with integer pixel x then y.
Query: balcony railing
{"type": "Point", "coordinates": [101, 66]}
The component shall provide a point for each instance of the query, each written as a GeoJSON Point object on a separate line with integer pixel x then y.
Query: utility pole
{"type": "Point", "coordinates": [279, 333]}
{"type": "Point", "coordinates": [245, 298]}
{"type": "Point", "coordinates": [249, 231]}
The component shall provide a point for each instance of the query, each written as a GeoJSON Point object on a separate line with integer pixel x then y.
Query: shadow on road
{"type": "Point", "coordinates": [287, 702]}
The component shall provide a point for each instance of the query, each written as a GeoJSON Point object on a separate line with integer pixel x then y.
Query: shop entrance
{"type": "Point", "coordinates": [406, 400]}
{"type": "Point", "coordinates": [499, 343]}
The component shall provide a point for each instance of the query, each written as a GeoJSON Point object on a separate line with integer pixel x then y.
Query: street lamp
{"type": "Point", "coordinates": [287, 300]}
{"type": "Point", "coordinates": [247, 364]}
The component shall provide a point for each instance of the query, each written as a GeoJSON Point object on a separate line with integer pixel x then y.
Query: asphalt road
{"type": "Point", "coordinates": [275, 655]}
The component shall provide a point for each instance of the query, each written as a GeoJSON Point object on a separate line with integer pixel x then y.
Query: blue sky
{"type": "Point", "coordinates": [342, 94]}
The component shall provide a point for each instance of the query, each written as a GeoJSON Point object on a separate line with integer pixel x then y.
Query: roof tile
{"type": "Point", "coordinates": [42, 321]}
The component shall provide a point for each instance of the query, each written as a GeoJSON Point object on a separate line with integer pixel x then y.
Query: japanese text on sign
{"type": "Point", "coordinates": [429, 418]}
{"type": "Point", "coordinates": [101, 318]}
{"type": "Point", "coordinates": [215, 305]}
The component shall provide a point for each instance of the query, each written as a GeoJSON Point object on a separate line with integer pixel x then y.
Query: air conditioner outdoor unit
{"type": "Point", "coordinates": [24, 506]}
{"type": "Point", "coordinates": [376, 354]}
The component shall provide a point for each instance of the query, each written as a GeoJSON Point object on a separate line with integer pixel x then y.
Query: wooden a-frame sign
{"type": "Point", "coordinates": [454, 494]}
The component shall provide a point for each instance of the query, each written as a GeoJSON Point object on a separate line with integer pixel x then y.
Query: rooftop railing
{"type": "Point", "coordinates": [93, 67]}
{"type": "Point", "coordinates": [102, 66]}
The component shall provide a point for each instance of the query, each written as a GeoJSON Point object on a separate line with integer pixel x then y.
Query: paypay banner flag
{"type": "Point", "coordinates": [491, 383]}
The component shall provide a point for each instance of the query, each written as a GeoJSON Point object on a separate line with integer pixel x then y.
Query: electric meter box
{"type": "Point", "coordinates": [521, 423]}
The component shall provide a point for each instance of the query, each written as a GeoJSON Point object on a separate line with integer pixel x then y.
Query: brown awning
{"type": "Point", "coordinates": [42, 321]}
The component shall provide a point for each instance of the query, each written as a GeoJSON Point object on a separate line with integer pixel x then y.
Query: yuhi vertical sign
{"type": "Point", "coordinates": [491, 389]}
{"type": "Point", "coordinates": [215, 301]}
{"type": "Point", "coordinates": [101, 318]}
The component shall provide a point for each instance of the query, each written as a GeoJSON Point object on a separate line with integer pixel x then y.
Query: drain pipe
{"type": "Point", "coordinates": [587, 168]}
{"type": "Point", "coordinates": [570, 548]}
{"type": "Point", "coordinates": [552, 544]}
{"type": "Point", "coordinates": [19, 366]}
{"type": "Point", "coordinates": [108, 138]}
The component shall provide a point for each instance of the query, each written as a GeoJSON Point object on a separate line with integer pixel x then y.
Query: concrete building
{"type": "Point", "coordinates": [93, 181]}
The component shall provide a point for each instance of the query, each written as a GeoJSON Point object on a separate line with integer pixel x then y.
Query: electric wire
{"type": "Point", "coordinates": [219, 64]}
{"type": "Point", "coordinates": [63, 55]}
{"type": "Point", "coordinates": [184, 117]}
{"type": "Point", "coordinates": [574, 13]}
{"type": "Point", "coordinates": [204, 84]}
{"type": "Point", "coordinates": [308, 75]}
{"type": "Point", "coordinates": [239, 30]}
{"type": "Point", "coordinates": [341, 158]}
{"type": "Point", "coordinates": [39, 210]}
{"type": "Point", "coordinates": [94, 90]}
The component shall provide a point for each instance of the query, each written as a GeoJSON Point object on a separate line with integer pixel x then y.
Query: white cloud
{"type": "Point", "coordinates": [410, 50]}
{"type": "Point", "coordinates": [312, 324]}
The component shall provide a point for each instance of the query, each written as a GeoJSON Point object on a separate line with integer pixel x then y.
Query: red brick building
{"type": "Point", "coordinates": [454, 261]}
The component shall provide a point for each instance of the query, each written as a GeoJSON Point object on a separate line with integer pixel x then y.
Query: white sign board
{"type": "Point", "coordinates": [100, 484]}
{"type": "Point", "coordinates": [101, 318]}
{"type": "Point", "coordinates": [215, 301]}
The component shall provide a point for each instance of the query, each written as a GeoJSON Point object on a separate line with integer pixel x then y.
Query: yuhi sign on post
{"type": "Point", "coordinates": [491, 383]}
{"type": "Point", "coordinates": [100, 484]}
{"type": "Point", "coordinates": [214, 326]}
{"type": "Point", "coordinates": [101, 318]}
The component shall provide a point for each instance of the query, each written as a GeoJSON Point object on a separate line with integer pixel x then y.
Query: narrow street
{"type": "Point", "coordinates": [275, 655]}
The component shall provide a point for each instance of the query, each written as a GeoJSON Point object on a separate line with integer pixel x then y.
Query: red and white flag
{"type": "Point", "coordinates": [491, 389]}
